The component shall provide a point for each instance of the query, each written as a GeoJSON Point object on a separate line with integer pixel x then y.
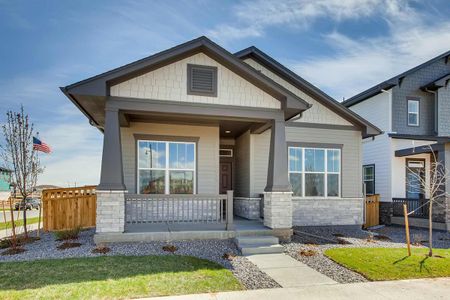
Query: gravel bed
{"type": "Point", "coordinates": [318, 239]}
{"type": "Point", "coordinates": [246, 272]}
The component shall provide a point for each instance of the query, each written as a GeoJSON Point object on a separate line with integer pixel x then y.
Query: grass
{"type": "Point", "coordinates": [393, 263]}
{"type": "Point", "coordinates": [113, 277]}
{"type": "Point", "coordinates": [19, 223]}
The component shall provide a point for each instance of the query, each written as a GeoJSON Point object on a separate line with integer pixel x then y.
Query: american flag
{"type": "Point", "coordinates": [38, 145]}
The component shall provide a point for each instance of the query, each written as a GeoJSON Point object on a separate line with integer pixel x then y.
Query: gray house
{"type": "Point", "coordinates": [413, 110]}
{"type": "Point", "coordinates": [197, 138]}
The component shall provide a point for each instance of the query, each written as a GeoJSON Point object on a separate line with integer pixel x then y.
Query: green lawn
{"type": "Point", "coordinates": [20, 223]}
{"type": "Point", "coordinates": [392, 264]}
{"type": "Point", "coordinates": [113, 277]}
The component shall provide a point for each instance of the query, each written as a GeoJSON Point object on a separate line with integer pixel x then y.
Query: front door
{"type": "Point", "coordinates": [415, 179]}
{"type": "Point", "coordinates": [225, 180]}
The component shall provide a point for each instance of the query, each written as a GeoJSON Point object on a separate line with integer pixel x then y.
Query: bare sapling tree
{"type": "Point", "coordinates": [19, 155]}
{"type": "Point", "coordinates": [434, 188]}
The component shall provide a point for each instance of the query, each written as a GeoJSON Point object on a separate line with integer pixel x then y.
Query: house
{"type": "Point", "coordinates": [197, 137]}
{"type": "Point", "coordinates": [413, 110]}
{"type": "Point", "coordinates": [5, 180]}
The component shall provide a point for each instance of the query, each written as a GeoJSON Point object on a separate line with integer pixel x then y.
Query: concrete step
{"type": "Point", "coordinates": [243, 241]}
{"type": "Point", "coordinates": [258, 249]}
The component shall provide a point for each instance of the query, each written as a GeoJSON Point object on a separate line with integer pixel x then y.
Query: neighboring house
{"type": "Point", "coordinates": [186, 125]}
{"type": "Point", "coordinates": [5, 180]}
{"type": "Point", "coordinates": [413, 110]}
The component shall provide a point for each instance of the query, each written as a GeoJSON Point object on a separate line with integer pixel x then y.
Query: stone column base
{"type": "Point", "coordinates": [110, 211]}
{"type": "Point", "coordinates": [278, 210]}
{"type": "Point", "coordinates": [283, 234]}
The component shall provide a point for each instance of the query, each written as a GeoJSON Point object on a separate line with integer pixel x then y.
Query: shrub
{"type": "Point", "coordinates": [69, 234]}
{"type": "Point", "coordinates": [308, 252]}
{"type": "Point", "coordinates": [67, 245]}
{"type": "Point", "coordinates": [101, 249]}
{"type": "Point", "coordinates": [170, 248]}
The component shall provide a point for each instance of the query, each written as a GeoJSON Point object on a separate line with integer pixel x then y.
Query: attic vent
{"type": "Point", "coordinates": [202, 80]}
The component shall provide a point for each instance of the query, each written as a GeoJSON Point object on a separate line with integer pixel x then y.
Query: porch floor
{"type": "Point", "coordinates": [240, 224]}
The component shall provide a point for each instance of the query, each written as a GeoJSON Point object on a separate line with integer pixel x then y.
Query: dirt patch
{"type": "Point", "coordinates": [229, 256]}
{"type": "Point", "coordinates": [308, 252]}
{"type": "Point", "coordinates": [343, 241]}
{"type": "Point", "coordinates": [382, 238]}
{"type": "Point", "coordinates": [68, 245]}
{"type": "Point", "coordinates": [170, 248]}
{"type": "Point", "coordinates": [13, 251]}
{"type": "Point", "coordinates": [101, 250]}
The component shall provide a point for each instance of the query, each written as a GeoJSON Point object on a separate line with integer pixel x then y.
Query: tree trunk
{"type": "Point", "coordinates": [25, 231]}
{"type": "Point", "coordinates": [430, 225]}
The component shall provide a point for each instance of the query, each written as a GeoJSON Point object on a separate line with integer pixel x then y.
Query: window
{"type": "Point", "coordinates": [225, 152]}
{"type": "Point", "coordinates": [202, 80]}
{"type": "Point", "coordinates": [415, 176]}
{"type": "Point", "coordinates": [166, 167]}
{"type": "Point", "coordinates": [369, 179]}
{"type": "Point", "coordinates": [315, 172]}
{"type": "Point", "coordinates": [413, 112]}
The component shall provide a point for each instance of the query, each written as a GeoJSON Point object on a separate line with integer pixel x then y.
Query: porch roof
{"type": "Point", "coordinates": [89, 95]}
{"type": "Point", "coordinates": [419, 150]}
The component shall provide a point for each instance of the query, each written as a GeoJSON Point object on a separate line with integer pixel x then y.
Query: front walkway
{"type": "Point", "coordinates": [287, 271]}
{"type": "Point", "coordinates": [403, 289]}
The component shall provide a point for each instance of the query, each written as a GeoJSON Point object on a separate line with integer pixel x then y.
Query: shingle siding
{"type": "Point", "coordinates": [410, 87]}
{"type": "Point", "coordinates": [444, 111]}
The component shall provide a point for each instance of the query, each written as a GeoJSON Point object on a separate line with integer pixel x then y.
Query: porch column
{"type": "Point", "coordinates": [111, 190]}
{"type": "Point", "coordinates": [278, 191]}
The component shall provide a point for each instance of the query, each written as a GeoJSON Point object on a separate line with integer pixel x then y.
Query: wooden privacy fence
{"type": "Point", "coordinates": [68, 208]}
{"type": "Point", "coordinates": [372, 203]}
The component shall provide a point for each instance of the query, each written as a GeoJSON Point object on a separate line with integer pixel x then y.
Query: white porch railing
{"type": "Point", "coordinates": [208, 209]}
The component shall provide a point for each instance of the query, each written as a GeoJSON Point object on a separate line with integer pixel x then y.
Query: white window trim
{"type": "Point", "coordinates": [167, 169]}
{"type": "Point", "coordinates": [372, 166]}
{"type": "Point", "coordinates": [303, 172]}
{"type": "Point", "coordinates": [413, 112]}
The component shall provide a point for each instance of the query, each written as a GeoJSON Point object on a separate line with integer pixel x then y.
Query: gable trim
{"type": "Point", "coordinates": [99, 85]}
{"type": "Point", "coordinates": [297, 81]}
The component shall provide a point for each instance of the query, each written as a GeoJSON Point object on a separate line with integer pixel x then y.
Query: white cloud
{"type": "Point", "coordinates": [252, 18]}
{"type": "Point", "coordinates": [360, 64]}
{"type": "Point", "coordinates": [76, 154]}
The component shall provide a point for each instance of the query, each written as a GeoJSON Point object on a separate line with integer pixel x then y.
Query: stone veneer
{"type": "Point", "coordinates": [248, 208]}
{"type": "Point", "coordinates": [386, 212]}
{"type": "Point", "coordinates": [316, 212]}
{"type": "Point", "coordinates": [110, 211]}
{"type": "Point", "coordinates": [278, 210]}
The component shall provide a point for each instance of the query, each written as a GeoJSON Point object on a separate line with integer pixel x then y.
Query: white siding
{"type": "Point", "coordinates": [376, 110]}
{"type": "Point", "coordinates": [170, 83]}
{"type": "Point", "coordinates": [242, 165]}
{"type": "Point", "coordinates": [207, 152]}
{"type": "Point", "coordinates": [318, 113]}
{"type": "Point", "coordinates": [399, 165]}
{"type": "Point", "coordinates": [378, 151]}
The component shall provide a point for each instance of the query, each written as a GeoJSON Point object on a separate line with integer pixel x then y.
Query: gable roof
{"type": "Point", "coordinates": [385, 85]}
{"type": "Point", "coordinates": [308, 88]}
{"type": "Point", "coordinates": [98, 86]}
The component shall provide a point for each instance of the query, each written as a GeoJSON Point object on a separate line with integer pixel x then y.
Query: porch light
{"type": "Point", "coordinates": [227, 131]}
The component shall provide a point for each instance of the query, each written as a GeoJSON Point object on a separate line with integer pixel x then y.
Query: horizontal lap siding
{"type": "Point", "coordinates": [242, 165]}
{"type": "Point", "coordinates": [207, 152]}
{"type": "Point", "coordinates": [260, 149]}
{"type": "Point", "coordinates": [351, 153]}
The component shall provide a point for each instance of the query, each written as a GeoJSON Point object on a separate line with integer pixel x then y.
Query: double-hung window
{"type": "Point", "coordinates": [369, 179]}
{"type": "Point", "coordinates": [315, 172]}
{"type": "Point", "coordinates": [166, 167]}
{"type": "Point", "coordinates": [413, 112]}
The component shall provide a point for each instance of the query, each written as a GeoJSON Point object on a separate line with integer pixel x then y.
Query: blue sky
{"type": "Point", "coordinates": [341, 46]}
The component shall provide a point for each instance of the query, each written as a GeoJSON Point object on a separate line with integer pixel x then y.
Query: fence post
{"type": "Point", "coordinates": [408, 242]}
{"type": "Point", "coordinates": [230, 225]}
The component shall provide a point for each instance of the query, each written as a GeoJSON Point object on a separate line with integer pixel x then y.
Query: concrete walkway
{"type": "Point", "coordinates": [287, 271]}
{"type": "Point", "coordinates": [398, 290]}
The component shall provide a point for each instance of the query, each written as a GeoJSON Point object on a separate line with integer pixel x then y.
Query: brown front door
{"type": "Point", "coordinates": [225, 177]}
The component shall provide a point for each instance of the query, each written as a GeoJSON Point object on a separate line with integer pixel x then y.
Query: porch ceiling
{"type": "Point", "coordinates": [228, 128]}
